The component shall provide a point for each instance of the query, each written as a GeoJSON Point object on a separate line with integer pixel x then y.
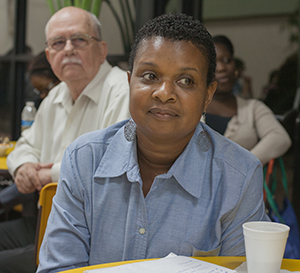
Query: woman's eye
{"type": "Point", "coordinates": [227, 60]}
{"type": "Point", "coordinates": [186, 81]}
{"type": "Point", "coordinates": [149, 76]}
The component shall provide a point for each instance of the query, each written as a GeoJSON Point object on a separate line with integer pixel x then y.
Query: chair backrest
{"type": "Point", "coordinates": [45, 204]}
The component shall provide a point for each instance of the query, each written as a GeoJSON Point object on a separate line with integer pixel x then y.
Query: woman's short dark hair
{"type": "Point", "coordinates": [222, 39]}
{"type": "Point", "coordinates": [178, 27]}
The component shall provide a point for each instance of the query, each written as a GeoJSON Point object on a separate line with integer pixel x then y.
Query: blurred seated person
{"type": "Point", "coordinates": [162, 181]}
{"type": "Point", "coordinates": [41, 76]}
{"type": "Point", "coordinates": [5, 71]}
{"type": "Point", "coordinates": [281, 99]}
{"type": "Point", "coordinates": [271, 87]}
{"type": "Point", "coordinates": [243, 85]}
{"type": "Point", "coordinates": [250, 123]}
{"type": "Point", "coordinates": [91, 95]}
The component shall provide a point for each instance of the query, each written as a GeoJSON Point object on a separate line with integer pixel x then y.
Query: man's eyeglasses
{"type": "Point", "coordinates": [78, 41]}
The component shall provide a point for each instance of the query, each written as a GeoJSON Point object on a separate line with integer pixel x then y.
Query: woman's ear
{"type": "Point", "coordinates": [210, 93]}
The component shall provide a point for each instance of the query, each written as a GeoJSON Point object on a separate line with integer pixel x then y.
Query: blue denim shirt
{"type": "Point", "coordinates": [100, 214]}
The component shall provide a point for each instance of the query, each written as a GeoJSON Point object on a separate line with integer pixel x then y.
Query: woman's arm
{"type": "Point", "coordinates": [274, 140]}
{"type": "Point", "coordinates": [67, 239]}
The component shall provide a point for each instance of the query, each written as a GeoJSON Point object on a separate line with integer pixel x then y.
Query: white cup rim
{"type": "Point", "coordinates": [264, 227]}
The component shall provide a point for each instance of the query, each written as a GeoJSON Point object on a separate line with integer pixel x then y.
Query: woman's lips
{"type": "Point", "coordinates": [163, 113]}
{"type": "Point", "coordinates": [222, 79]}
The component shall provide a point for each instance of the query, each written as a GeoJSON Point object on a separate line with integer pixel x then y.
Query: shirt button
{"type": "Point", "coordinates": [142, 231]}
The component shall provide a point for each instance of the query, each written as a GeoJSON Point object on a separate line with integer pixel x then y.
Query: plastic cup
{"type": "Point", "coordinates": [265, 244]}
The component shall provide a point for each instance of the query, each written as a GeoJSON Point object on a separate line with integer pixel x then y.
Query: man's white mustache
{"type": "Point", "coordinates": [69, 60]}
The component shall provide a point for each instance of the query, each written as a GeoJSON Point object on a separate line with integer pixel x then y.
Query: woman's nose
{"type": "Point", "coordinates": [166, 91]}
{"type": "Point", "coordinates": [220, 66]}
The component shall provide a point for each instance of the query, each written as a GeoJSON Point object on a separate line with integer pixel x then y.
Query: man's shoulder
{"type": "Point", "coordinates": [117, 76]}
{"type": "Point", "coordinates": [56, 92]}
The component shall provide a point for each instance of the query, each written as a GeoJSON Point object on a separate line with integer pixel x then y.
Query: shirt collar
{"type": "Point", "coordinates": [190, 167]}
{"type": "Point", "coordinates": [188, 170]}
{"type": "Point", "coordinates": [92, 90]}
{"type": "Point", "coordinates": [119, 158]}
{"type": "Point", "coordinates": [63, 96]}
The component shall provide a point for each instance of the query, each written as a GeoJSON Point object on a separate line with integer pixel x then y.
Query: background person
{"type": "Point", "coordinates": [250, 123]}
{"type": "Point", "coordinates": [243, 84]}
{"type": "Point", "coordinates": [162, 181]}
{"type": "Point", "coordinates": [92, 95]}
{"type": "Point", "coordinates": [281, 97]}
{"type": "Point", "coordinates": [41, 76]}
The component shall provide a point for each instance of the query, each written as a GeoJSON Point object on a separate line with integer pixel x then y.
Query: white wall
{"type": "Point", "coordinates": [38, 14]}
{"type": "Point", "coordinates": [110, 30]}
{"type": "Point", "coordinates": [6, 22]}
{"type": "Point", "coordinates": [262, 43]}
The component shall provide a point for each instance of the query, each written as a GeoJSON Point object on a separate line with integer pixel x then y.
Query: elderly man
{"type": "Point", "coordinates": [92, 95]}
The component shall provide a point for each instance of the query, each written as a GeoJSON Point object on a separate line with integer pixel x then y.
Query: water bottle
{"type": "Point", "coordinates": [28, 115]}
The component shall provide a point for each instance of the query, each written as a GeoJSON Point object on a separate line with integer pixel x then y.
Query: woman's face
{"type": "Point", "coordinates": [42, 84]}
{"type": "Point", "coordinates": [225, 70]}
{"type": "Point", "coordinates": [168, 91]}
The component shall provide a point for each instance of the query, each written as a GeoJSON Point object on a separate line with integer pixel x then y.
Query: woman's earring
{"type": "Point", "coordinates": [204, 141]}
{"type": "Point", "coordinates": [203, 117]}
{"type": "Point", "coordinates": [130, 130]}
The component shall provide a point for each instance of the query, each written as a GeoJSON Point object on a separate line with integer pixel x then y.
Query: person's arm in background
{"type": "Point", "coordinates": [24, 161]}
{"type": "Point", "coordinates": [274, 140]}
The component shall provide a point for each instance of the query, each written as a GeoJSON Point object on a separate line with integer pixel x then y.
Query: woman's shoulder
{"type": "Point", "coordinates": [231, 154]}
{"type": "Point", "coordinates": [249, 107]}
{"type": "Point", "coordinates": [250, 103]}
{"type": "Point", "coordinates": [98, 139]}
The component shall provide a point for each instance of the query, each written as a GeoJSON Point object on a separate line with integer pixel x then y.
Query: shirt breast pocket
{"type": "Point", "coordinates": [187, 249]}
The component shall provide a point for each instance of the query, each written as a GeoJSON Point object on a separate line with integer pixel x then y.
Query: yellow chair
{"type": "Point", "coordinates": [45, 202]}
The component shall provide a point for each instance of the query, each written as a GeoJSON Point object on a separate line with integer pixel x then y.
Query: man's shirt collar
{"type": "Point", "coordinates": [92, 90]}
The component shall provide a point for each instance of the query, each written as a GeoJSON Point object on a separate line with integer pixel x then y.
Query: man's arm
{"type": "Point", "coordinates": [24, 161]}
{"type": "Point", "coordinates": [29, 145]}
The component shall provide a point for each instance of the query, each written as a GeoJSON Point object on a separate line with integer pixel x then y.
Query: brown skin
{"type": "Point", "coordinates": [168, 94]}
{"type": "Point", "coordinates": [224, 102]}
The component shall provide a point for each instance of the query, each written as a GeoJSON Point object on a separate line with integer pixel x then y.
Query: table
{"type": "Point", "coordinates": [6, 175]}
{"type": "Point", "coordinates": [226, 261]}
{"type": "Point", "coordinates": [3, 167]}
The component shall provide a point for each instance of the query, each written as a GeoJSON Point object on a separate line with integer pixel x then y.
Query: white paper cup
{"type": "Point", "coordinates": [265, 244]}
